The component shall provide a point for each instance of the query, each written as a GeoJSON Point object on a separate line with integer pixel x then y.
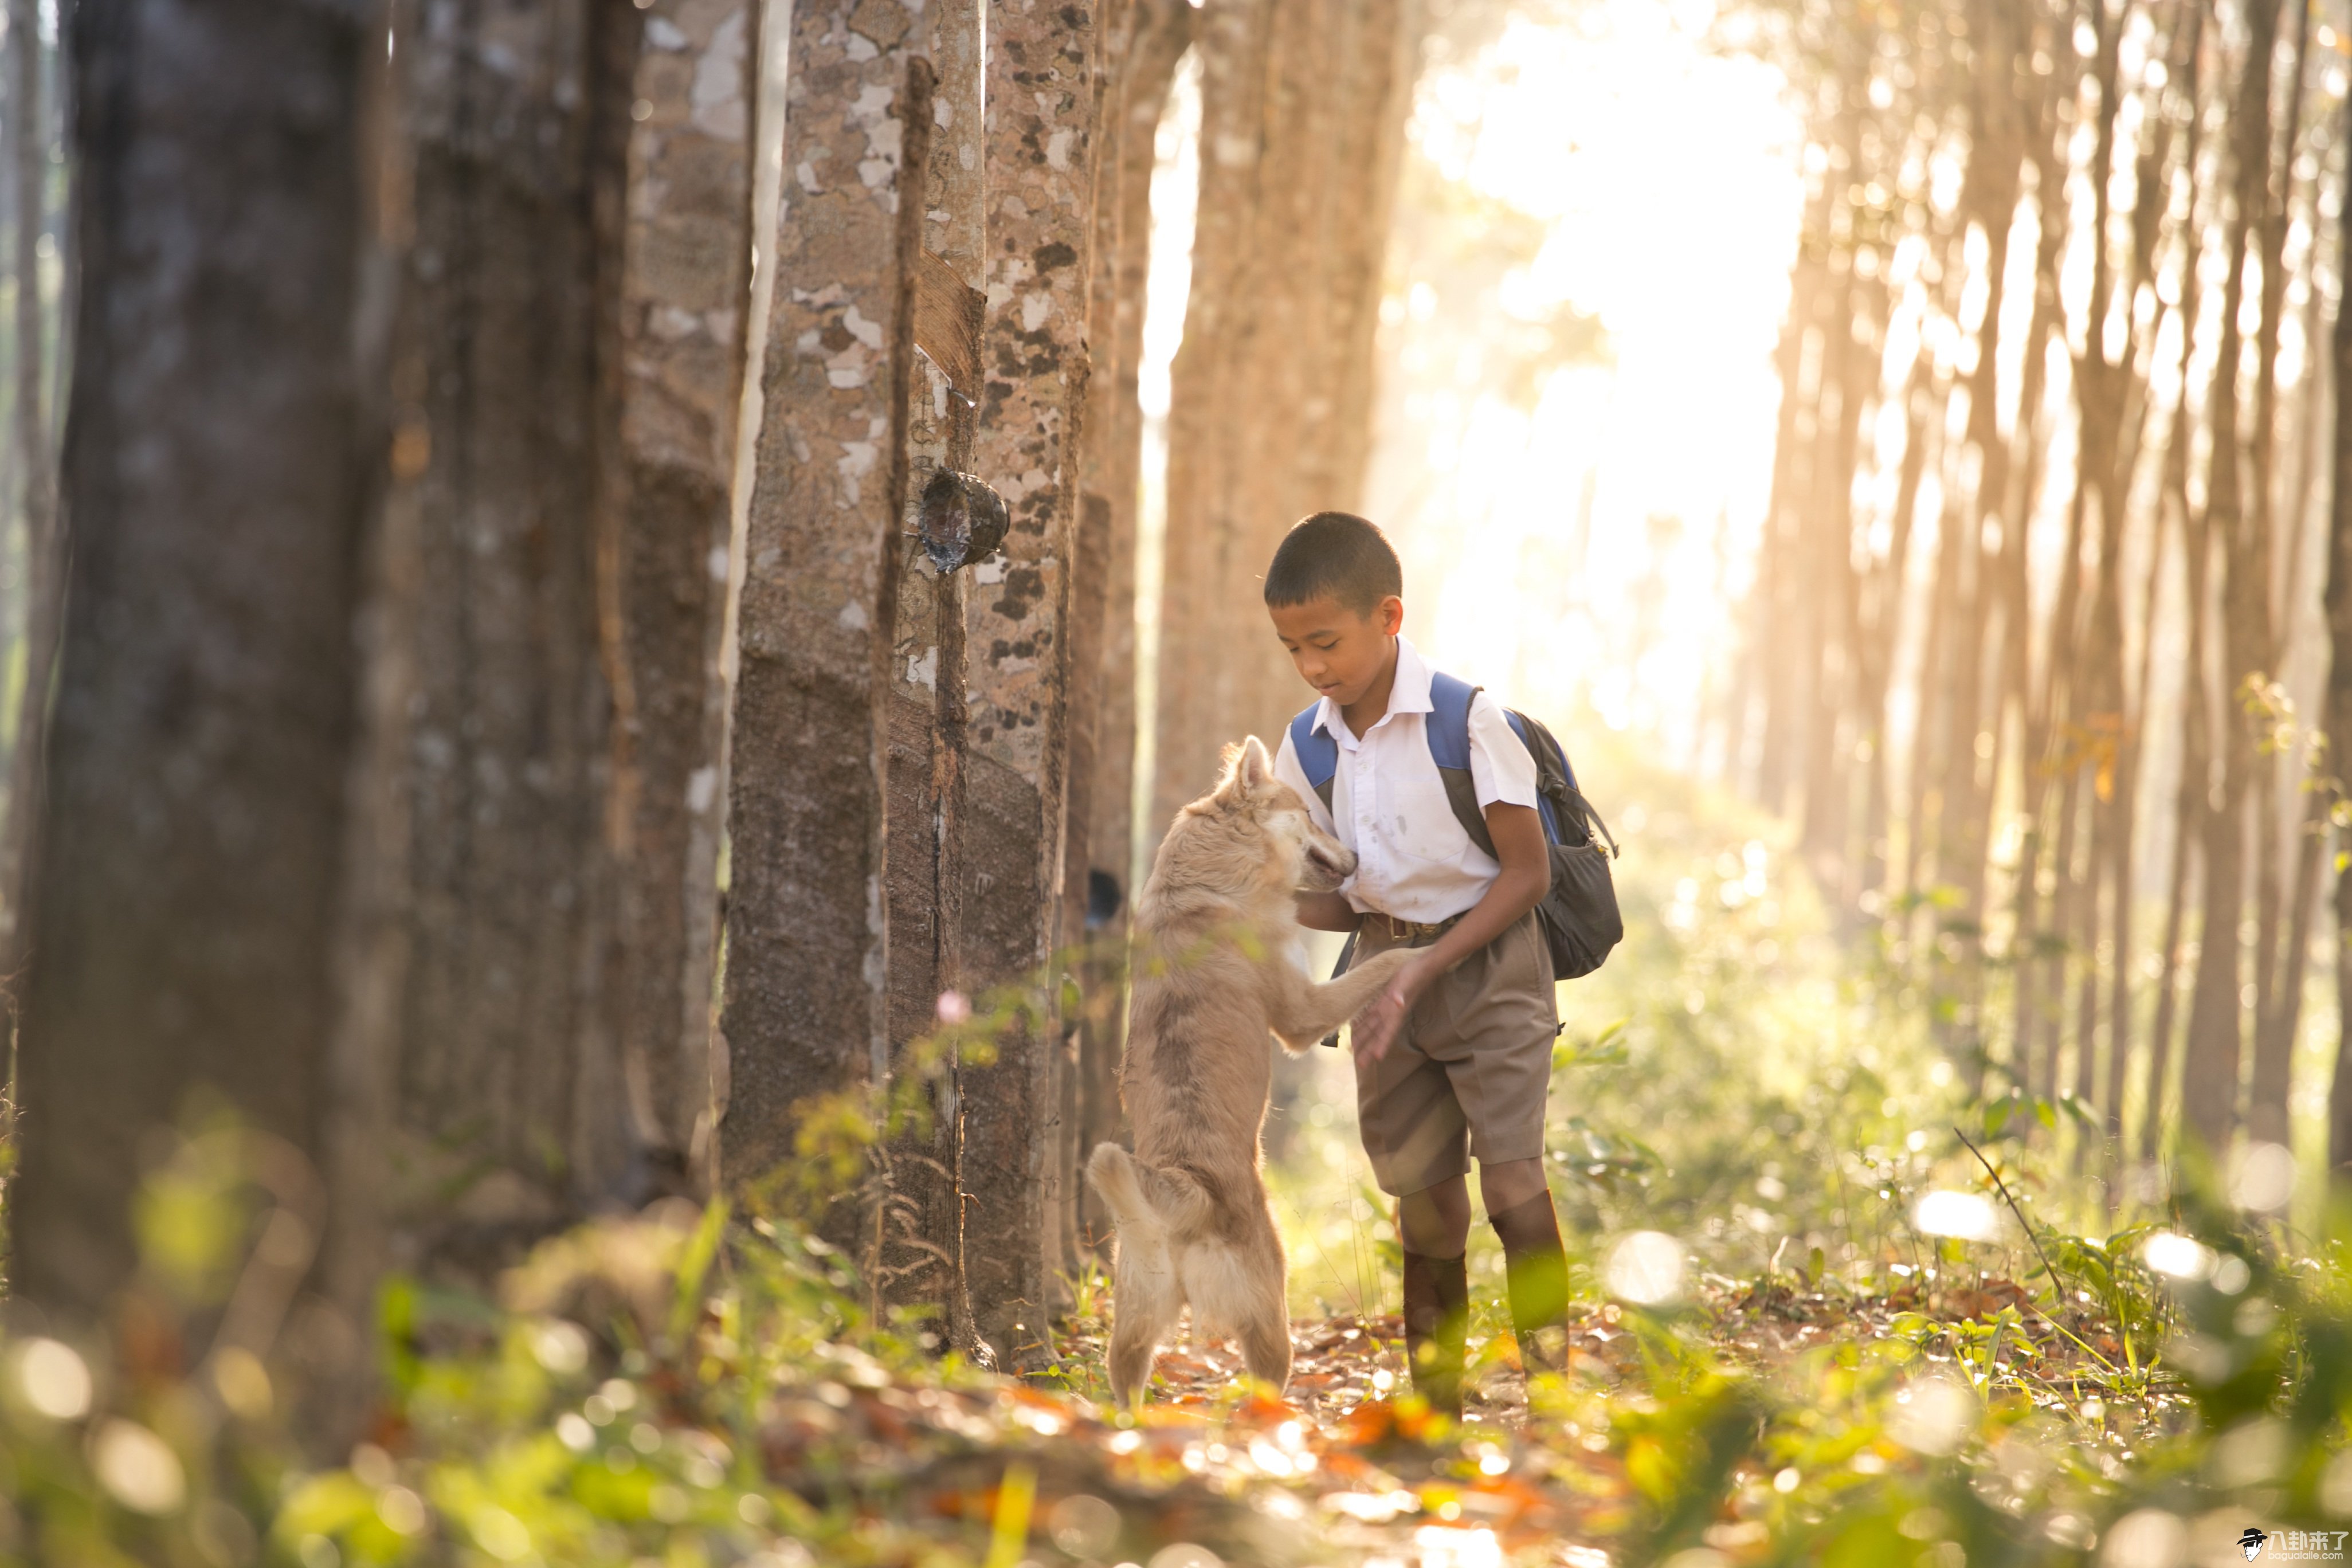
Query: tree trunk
{"type": "Point", "coordinates": [31, 445]}
{"type": "Point", "coordinates": [919, 1254]}
{"type": "Point", "coordinates": [1931, 730]}
{"type": "Point", "coordinates": [2195, 729]}
{"type": "Point", "coordinates": [2210, 1095]}
{"type": "Point", "coordinates": [2190, 792]}
{"type": "Point", "coordinates": [537, 760]}
{"type": "Point", "coordinates": [1876, 639]}
{"type": "Point", "coordinates": [1302, 113]}
{"type": "Point", "coordinates": [674, 232]}
{"type": "Point", "coordinates": [1200, 661]}
{"type": "Point", "coordinates": [806, 1004]}
{"type": "Point", "coordinates": [2273, 1027]}
{"type": "Point", "coordinates": [1969, 751]}
{"type": "Point", "coordinates": [2338, 707]}
{"type": "Point", "coordinates": [1769, 666]}
{"type": "Point", "coordinates": [2082, 656]}
{"type": "Point", "coordinates": [1040, 155]}
{"type": "Point", "coordinates": [1850, 355]}
{"type": "Point", "coordinates": [2152, 175]}
{"type": "Point", "coordinates": [190, 872]}
{"type": "Point", "coordinates": [1094, 896]}
{"type": "Point", "coordinates": [2006, 628]}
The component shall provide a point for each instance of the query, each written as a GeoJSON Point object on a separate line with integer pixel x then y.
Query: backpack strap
{"type": "Point", "coordinates": [1520, 723]}
{"type": "Point", "coordinates": [1449, 697]}
{"type": "Point", "coordinates": [1565, 809]}
{"type": "Point", "coordinates": [1319, 753]}
{"type": "Point", "coordinates": [1318, 758]}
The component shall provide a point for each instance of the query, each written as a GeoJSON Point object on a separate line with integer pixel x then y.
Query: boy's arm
{"type": "Point", "coordinates": [1317, 911]}
{"type": "Point", "coordinates": [1326, 911]}
{"type": "Point", "coordinates": [1525, 877]}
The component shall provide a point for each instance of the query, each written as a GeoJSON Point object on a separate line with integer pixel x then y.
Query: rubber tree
{"type": "Point", "coordinates": [222, 458]}
{"type": "Point", "coordinates": [563, 382]}
{"type": "Point", "coordinates": [805, 996]}
{"type": "Point", "coordinates": [392, 635]}
{"type": "Point", "coordinates": [1041, 75]}
{"type": "Point", "coordinates": [1303, 110]}
{"type": "Point", "coordinates": [1099, 832]}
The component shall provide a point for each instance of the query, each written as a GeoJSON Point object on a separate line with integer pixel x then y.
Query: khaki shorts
{"type": "Point", "coordinates": [1469, 1072]}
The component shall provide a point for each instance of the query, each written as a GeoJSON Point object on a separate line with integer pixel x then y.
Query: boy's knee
{"type": "Point", "coordinates": [1436, 1221]}
{"type": "Point", "coordinates": [1508, 1184]}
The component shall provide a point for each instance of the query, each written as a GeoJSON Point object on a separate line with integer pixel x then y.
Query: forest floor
{"type": "Point", "coordinates": [1347, 1469]}
{"type": "Point", "coordinates": [1886, 1347]}
{"type": "Point", "coordinates": [701, 1392]}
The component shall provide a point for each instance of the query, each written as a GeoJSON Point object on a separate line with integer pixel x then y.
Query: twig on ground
{"type": "Point", "coordinates": [2047, 1267]}
{"type": "Point", "coordinates": [2057, 1297]}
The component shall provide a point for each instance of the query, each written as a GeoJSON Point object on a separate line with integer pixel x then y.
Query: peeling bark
{"type": "Point", "coordinates": [1040, 155]}
{"type": "Point", "coordinates": [805, 1007]}
{"type": "Point", "coordinates": [920, 1258]}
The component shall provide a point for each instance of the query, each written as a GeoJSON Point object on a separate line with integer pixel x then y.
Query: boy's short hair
{"type": "Point", "coordinates": [1338, 554]}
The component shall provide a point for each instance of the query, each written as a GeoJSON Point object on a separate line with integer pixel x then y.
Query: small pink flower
{"type": "Point", "coordinates": [955, 1007]}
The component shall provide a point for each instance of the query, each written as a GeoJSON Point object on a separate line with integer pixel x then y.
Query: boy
{"type": "Point", "coordinates": [1454, 1058]}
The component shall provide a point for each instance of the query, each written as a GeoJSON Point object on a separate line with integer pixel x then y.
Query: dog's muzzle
{"type": "Point", "coordinates": [1327, 868]}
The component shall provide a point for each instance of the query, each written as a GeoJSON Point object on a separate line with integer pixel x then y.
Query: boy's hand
{"type": "Point", "coordinates": [1376, 1028]}
{"type": "Point", "coordinates": [1525, 877]}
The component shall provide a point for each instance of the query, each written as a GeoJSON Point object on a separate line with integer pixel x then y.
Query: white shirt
{"type": "Point", "coordinates": [1388, 801]}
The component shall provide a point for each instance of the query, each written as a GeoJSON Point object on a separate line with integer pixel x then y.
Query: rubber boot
{"type": "Point", "coordinates": [1437, 1322]}
{"type": "Point", "coordinates": [1536, 1269]}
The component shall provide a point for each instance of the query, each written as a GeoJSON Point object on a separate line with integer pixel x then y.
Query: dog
{"type": "Point", "coordinates": [1213, 977]}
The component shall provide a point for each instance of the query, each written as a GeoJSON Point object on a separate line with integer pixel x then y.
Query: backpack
{"type": "Point", "coordinates": [1579, 916]}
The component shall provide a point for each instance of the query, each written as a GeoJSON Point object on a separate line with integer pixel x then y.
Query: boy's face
{"type": "Point", "coordinates": [1339, 651]}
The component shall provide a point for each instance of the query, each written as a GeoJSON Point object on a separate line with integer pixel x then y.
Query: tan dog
{"type": "Point", "coordinates": [1214, 976]}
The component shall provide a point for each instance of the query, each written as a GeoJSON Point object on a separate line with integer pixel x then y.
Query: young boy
{"type": "Point", "coordinates": [1454, 1058]}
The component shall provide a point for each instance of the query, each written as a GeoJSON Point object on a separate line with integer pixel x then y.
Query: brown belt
{"type": "Point", "coordinates": [1409, 933]}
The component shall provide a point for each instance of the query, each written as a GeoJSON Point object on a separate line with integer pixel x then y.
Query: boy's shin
{"type": "Point", "coordinates": [1536, 1267]}
{"type": "Point", "coordinates": [1436, 1323]}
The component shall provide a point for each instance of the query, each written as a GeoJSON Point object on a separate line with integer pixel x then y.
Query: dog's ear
{"type": "Point", "coordinates": [1246, 768]}
{"type": "Point", "coordinates": [1254, 769]}
{"type": "Point", "coordinates": [1229, 760]}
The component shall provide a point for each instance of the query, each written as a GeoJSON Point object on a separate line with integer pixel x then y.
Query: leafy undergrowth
{"type": "Point", "coordinates": [686, 1388]}
{"type": "Point", "coordinates": [1812, 1327]}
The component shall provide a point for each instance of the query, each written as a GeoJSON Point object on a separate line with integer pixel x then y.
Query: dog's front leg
{"type": "Point", "coordinates": [1304, 1011]}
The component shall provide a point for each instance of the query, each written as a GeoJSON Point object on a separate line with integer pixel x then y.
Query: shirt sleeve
{"type": "Point", "coordinates": [1287, 768]}
{"type": "Point", "coordinates": [1501, 767]}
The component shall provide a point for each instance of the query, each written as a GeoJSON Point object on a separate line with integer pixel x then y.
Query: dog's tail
{"type": "Point", "coordinates": [1148, 1201]}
